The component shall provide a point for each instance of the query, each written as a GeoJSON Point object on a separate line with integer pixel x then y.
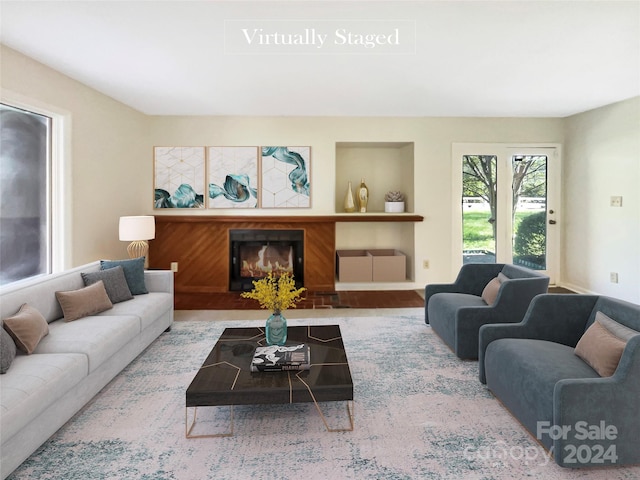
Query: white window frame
{"type": "Point", "coordinates": [59, 177]}
{"type": "Point", "coordinates": [505, 150]}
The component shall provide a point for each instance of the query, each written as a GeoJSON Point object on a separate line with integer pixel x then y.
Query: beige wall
{"type": "Point", "coordinates": [432, 138]}
{"type": "Point", "coordinates": [108, 157]}
{"type": "Point", "coordinates": [602, 159]}
{"type": "Point", "coordinates": [111, 171]}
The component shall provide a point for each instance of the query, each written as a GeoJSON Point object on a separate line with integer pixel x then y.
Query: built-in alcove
{"type": "Point", "coordinates": [384, 166]}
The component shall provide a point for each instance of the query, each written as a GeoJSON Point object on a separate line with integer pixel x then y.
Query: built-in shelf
{"type": "Point", "coordinates": [345, 217]}
{"type": "Point", "coordinates": [378, 217]}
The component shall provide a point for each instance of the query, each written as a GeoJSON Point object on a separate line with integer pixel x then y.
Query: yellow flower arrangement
{"type": "Point", "coordinates": [275, 293]}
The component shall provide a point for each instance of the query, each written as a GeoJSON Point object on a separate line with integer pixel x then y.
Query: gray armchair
{"type": "Point", "coordinates": [532, 369]}
{"type": "Point", "coordinates": [456, 311]}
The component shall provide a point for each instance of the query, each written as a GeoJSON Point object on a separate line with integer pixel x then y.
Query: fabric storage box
{"type": "Point", "coordinates": [354, 266]}
{"type": "Point", "coordinates": [388, 265]}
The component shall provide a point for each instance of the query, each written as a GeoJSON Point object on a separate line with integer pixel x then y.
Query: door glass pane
{"type": "Point", "coordinates": [479, 206]}
{"type": "Point", "coordinates": [530, 211]}
{"type": "Point", "coordinates": [24, 163]}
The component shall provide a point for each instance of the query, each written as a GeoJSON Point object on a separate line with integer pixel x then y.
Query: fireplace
{"type": "Point", "coordinates": [254, 253]}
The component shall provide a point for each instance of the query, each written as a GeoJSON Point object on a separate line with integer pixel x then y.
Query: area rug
{"type": "Point", "coordinates": [420, 413]}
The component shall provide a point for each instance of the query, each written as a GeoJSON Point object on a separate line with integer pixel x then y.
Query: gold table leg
{"type": "Point", "coordinates": [189, 429]}
{"type": "Point", "coordinates": [349, 404]}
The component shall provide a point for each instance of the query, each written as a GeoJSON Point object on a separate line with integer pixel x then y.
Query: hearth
{"type": "Point", "coordinates": [256, 252]}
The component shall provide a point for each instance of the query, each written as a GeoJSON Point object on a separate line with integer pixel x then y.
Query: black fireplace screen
{"type": "Point", "coordinates": [256, 253]}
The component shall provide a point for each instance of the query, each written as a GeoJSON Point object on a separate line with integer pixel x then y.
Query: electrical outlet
{"type": "Point", "coordinates": [613, 276]}
{"type": "Point", "coordinates": [174, 266]}
{"type": "Point", "coordinates": [616, 201]}
{"type": "Point", "coordinates": [425, 264]}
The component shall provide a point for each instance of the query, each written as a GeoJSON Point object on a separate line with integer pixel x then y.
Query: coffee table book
{"type": "Point", "coordinates": [277, 358]}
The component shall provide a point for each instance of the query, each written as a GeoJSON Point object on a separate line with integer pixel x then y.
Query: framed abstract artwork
{"type": "Point", "coordinates": [179, 177]}
{"type": "Point", "coordinates": [232, 177]}
{"type": "Point", "coordinates": [285, 177]}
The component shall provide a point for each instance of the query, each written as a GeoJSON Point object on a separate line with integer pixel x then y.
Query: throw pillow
{"type": "Point", "coordinates": [490, 292]}
{"type": "Point", "coordinates": [623, 332]}
{"type": "Point", "coordinates": [115, 283]}
{"type": "Point", "coordinates": [86, 301]}
{"type": "Point", "coordinates": [7, 350]}
{"type": "Point", "coordinates": [133, 272]}
{"type": "Point", "coordinates": [27, 328]}
{"type": "Point", "coordinates": [600, 349]}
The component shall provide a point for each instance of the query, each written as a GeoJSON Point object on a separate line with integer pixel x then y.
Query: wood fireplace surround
{"type": "Point", "coordinates": [200, 245]}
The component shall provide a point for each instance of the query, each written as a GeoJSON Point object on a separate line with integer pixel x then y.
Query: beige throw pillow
{"type": "Point", "coordinates": [600, 349]}
{"type": "Point", "coordinates": [490, 292]}
{"type": "Point", "coordinates": [86, 301]}
{"type": "Point", "coordinates": [27, 328]}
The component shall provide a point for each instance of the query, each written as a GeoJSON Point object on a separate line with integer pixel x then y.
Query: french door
{"type": "Point", "coordinates": [506, 205]}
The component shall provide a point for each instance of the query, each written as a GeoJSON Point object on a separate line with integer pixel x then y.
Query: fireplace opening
{"type": "Point", "coordinates": [256, 253]}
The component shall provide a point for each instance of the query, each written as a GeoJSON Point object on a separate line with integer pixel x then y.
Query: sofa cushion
{"type": "Point", "coordinates": [98, 337]}
{"type": "Point", "coordinates": [27, 327]}
{"type": "Point", "coordinates": [33, 383]}
{"type": "Point", "coordinates": [148, 308]}
{"type": "Point", "coordinates": [133, 272]}
{"type": "Point", "coordinates": [442, 308]}
{"type": "Point", "coordinates": [523, 373]}
{"type": "Point", "coordinates": [85, 301]}
{"type": "Point", "coordinates": [600, 349]}
{"type": "Point", "coordinates": [7, 350]}
{"type": "Point", "coordinates": [114, 281]}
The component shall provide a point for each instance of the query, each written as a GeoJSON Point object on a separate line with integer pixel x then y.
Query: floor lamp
{"type": "Point", "coordinates": [137, 230]}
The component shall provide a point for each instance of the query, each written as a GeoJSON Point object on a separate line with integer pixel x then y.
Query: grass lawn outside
{"type": "Point", "coordinates": [478, 232]}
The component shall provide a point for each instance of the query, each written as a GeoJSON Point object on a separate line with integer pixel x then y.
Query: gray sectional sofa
{"type": "Point", "coordinates": [534, 369]}
{"type": "Point", "coordinates": [42, 391]}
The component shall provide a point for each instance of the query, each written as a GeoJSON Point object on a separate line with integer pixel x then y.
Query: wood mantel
{"type": "Point", "coordinates": [200, 245]}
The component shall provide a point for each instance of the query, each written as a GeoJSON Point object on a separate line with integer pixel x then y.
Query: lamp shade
{"type": "Point", "coordinates": [137, 228]}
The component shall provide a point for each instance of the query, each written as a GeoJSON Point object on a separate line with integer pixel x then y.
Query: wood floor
{"type": "Point", "coordinates": [313, 300]}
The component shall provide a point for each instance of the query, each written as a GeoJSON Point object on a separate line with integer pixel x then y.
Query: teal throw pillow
{"type": "Point", "coordinates": [133, 272]}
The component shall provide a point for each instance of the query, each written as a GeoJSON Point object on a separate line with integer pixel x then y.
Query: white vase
{"type": "Point", "coordinates": [394, 207]}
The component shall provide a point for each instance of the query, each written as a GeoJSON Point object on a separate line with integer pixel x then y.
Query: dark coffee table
{"type": "Point", "coordinates": [225, 377]}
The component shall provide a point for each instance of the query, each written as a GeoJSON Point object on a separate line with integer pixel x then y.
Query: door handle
{"type": "Point", "coordinates": [552, 222]}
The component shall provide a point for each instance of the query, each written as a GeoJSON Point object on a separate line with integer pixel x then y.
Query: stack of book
{"type": "Point", "coordinates": [277, 358]}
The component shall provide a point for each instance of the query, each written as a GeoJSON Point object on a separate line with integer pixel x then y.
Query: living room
{"type": "Point", "coordinates": [105, 146]}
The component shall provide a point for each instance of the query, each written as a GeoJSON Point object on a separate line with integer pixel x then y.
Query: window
{"type": "Point", "coordinates": [25, 194]}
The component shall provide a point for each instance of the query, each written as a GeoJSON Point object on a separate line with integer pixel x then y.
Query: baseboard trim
{"type": "Point", "coordinates": [576, 288]}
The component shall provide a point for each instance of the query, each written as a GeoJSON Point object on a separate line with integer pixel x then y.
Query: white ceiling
{"type": "Point", "coordinates": [472, 58]}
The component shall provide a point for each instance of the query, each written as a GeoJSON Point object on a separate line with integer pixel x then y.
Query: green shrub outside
{"type": "Point", "coordinates": [531, 236]}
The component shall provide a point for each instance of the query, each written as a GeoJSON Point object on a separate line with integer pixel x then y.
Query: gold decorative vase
{"type": "Point", "coordinates": [363, 197]}
{"type": "Point", "coordinates": [349, 203]}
